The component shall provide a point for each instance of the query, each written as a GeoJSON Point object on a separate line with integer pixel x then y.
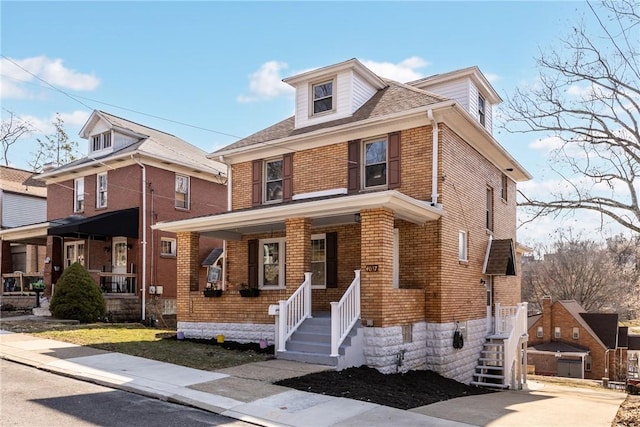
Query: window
{"type": "Point", "coordinates": [556, 333]}
{"type": "Point", "coordinates": [481, 110]}
{"type": "Point", "coordinates": [73, 252]}
{"type": "Point", "coordinates": [322, 96]}
{"type": "Point", "coordinates": [101, 190]}
{"type": "Point", "coordinates": [375, 163]}
{"type": "Point", "coordinates": [587, 363]}
{"type": "Point", "coordinates": [462, 246]}
{"type": "Point", "coordinates": [78, 195]}
{"type": "Point", "coordinates": [101, 141]}
{"type": "Point", "coordinates": [539, 332]}
{"type": "Point", "coordinates": [318, 261]}
{"type": "Point", "coordinates": [167, 246]}
{"type": "Point", "coordinates": [576, 333]}
{"type": "Point", "coordinates": [271, 268]}
{"type": "Point", "coordinates": [273, 180]}
{"type": "Point", "coordinates": [505, 185]}
{"type": "Point", "coordinates": [182, 192]}
{"type": "Point", "coordinates": [489, 213]}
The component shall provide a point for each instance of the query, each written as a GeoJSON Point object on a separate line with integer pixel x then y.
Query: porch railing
{"type": "Point", "coordinates": [504, 319]}
{"type": "Point", "coordinates": [293, 311]}
{"type": "Point", "coordinates": [18, 282]}
{"type": "Point", "coordinates": [344, 314]}
{"type": "Point", "coordinates": [117, 283]}
{"type": "Point", "coordinates": [512, 345]}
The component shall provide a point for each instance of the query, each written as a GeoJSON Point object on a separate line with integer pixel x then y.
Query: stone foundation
{"type": "Point", "coordinates": [239, 332]}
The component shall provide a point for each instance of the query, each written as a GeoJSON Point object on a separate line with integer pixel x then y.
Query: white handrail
{"type": "Point", "coordinates": [504, 318]}
{"type": "Point", "coordinates": [293, 311]}
{"type": "Point", "coordinates": [345, 314]}
{"type": "Point", "coordinates": [512, 343]}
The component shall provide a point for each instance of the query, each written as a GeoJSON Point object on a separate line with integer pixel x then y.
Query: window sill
{"type": "Point", "coordinates": [168, 256]}
{"type": "Point", "coordinates": [182, 209]}
{"type": "Point", "coordinates": [489, 232]}
{"type": "Point", "coordinates": [463, 262]}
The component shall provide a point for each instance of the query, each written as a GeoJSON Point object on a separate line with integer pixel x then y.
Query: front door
{"type": "Point", "coordinates": [488, 283]}
{"type": "Point", "coordinates": [119, 263]}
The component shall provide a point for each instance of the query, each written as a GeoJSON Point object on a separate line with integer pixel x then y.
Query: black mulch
{"type": "Point", "coordinates": [403, 391]}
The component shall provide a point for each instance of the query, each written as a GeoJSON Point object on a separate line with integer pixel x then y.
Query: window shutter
{"type": "Point", "coordinates": [394, 160]}
{"type": "Point", "coordinates": [256, 183]}
{"type": "Point", "coordinates": [354, 166]}
{"type": "Point", "coordinates": [253, 263]}
{"type": "Point", "coordinates": [287, 177]}
{"type": "Point", "coordinates": [331, 240]}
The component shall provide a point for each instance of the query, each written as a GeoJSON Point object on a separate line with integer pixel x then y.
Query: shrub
{"type": "Point", "coordinates": [77, 297]}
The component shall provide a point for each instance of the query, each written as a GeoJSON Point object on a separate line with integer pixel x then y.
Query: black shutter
{"type": "Point", "coordinates": [256, 183]}
{"type": "Point", "coordinates": [354, 166]}
{"type": "Point", "coordinates": [253, 263]}
{"type": "Point", "coordinates": [331, 242]}
{"type": "Point", "coordinates": [394, 160]}
{"type": "Point", "coordinates": [287, 177]}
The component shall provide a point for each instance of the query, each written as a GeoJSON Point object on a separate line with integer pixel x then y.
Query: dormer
{"type": "Point", "coordinates": [104, 137]}
{"type": "Point", "coordinates": [470, 88]}
{"type": "Point", "coordinates": [332, 92]}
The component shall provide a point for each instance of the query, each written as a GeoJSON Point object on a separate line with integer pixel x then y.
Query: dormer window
{"type": "Point", "coordinates": [101, 141]}
{"type": "Point", "coordinates": [322, 97]}
{"type": "Point", "coordinates": [481, 110]}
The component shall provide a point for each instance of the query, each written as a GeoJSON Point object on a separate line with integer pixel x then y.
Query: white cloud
{"type": "Point", "coordinates": [492, 77]}
{"type": "Point", "coordinates": [71, 122]}
{"type": "Point", "coordinates": [14, 72]}
{"type": "Point", "coordinates": [404, 71]}
{"type": "Point", "coordinates": [266, 83]}
{"type": "Point", "coordinates": [547, 144]}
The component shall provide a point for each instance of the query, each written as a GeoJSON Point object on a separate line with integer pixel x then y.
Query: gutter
{"type": "Point", "coordinates": [144, 235]}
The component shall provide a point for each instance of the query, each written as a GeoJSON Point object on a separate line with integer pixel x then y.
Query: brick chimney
{"type": "Point", "coordinates": [546, 319]}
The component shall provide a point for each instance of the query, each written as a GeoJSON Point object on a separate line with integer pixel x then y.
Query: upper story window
{"type": "Point", "coordinates": [481, 110]}
{"type": "Point", "coordinates": [462, 246]}
{"type": "Point", "coordinates": [489, 209]}
{"type": "Point", "coordinates": [101, 141]}
{"type": "Point", "coordinates": [556, 332]}
{"type": "Point", "coordinates": [101, 190]}
{"type": "Point", "coordinates": [182, 192]}
{"type": "Point", "coordinates": [539, 332]}
{"type": "Point", "coordinates": [78, 195]}
{"type": "Point", "coordinates": [273, 180]}
{"type": "Point", "coordinates": [375, 161]}
{"type": "Point", "coordinates": [504, 184]}
{"type": "Point", "coordinates": [576, 333]}
{"type": "Point", "coordinates": [322, 97]}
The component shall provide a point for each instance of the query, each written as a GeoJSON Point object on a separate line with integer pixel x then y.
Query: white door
{"type": "Point", "coordinates": [119, 263]}
{"type": "Point", "coordinates": [488, 284]}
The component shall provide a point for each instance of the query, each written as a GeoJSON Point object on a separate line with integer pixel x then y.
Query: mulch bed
{"type": "Point", "coordinates": [402, 391]}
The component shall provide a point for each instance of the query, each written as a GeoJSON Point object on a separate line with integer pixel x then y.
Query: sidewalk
{"type": "Point", "coordinates": [246, 392]}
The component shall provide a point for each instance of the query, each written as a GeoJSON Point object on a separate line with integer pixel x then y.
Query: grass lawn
{"type": "Point", "coordinates": [137, 340]}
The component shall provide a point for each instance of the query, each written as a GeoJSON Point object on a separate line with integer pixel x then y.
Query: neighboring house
{"type": "Point", "coordinates": [633, 356]}
{"type": "Point", "coordinates": [23, 201]}
{"type": "Point", "coordinates": [375, 222]}
{"type": "Point", "coordinates": [100, 209]}
{"type": "Point", "coordinates": [567, 341]}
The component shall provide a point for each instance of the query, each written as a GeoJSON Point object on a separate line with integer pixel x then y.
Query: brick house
{"type": "Point", "coordinates": [567, 341]}
{"type": "Point", "coordinates": [23, 202]}
{"type": "Point", "coordinates": [375, 222]}
{"type": "Point", "coordinates": [101, 207]}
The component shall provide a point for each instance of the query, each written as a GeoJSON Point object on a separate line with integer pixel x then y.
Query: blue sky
{"type": "Point", "coordinates": [217, 66]}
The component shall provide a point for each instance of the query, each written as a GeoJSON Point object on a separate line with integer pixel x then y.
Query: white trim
{"type": "Point", "coordinates": [363, 162]}
{"type": "Point", "coordinates": [312, 99]}
{"type": "Point", "coordinates": [322, 193]}
{"type": "Point", "coordinates": [76, 194]}
{"type": "Point", "coordinates": [463, 243]}
{"type": "Point", "coordinates": [106, 190]}
{"type": "Point", "coordinates": [173, 246]}
{"type": "Point", "coordinates": [187, 193]}
{"type": "Point", "coordinates": [26, 232]}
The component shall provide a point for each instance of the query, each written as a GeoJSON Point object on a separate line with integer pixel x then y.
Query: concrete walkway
{"type": "Point", "coordinates": [246, 392]}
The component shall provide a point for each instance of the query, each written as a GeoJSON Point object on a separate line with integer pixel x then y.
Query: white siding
{"type": "Point", "coordinates": [19, 210]}
{"type": "Point", "coordinates": [120, 140]}
{"type": "Point", "coordinates": [362, 92]}
{"type": "Point", "coordinates": [458, 90]}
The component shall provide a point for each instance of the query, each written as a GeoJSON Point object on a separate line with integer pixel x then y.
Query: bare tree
{"type": "Point", "coordinates": [600, 276]}
{"type": "Point", "coordinates": [11, 130]}
{"type": "Point", "coordinates": [56, 148]}
{"type": "Point", "coordinates": [588, 98]}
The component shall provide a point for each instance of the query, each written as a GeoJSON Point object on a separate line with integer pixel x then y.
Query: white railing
{"type": "Point", "coordinates": [512, 344]}
{"type": "Point", "coordinates": [345, 314]}
{"type": "Point", "coordinates": [504, 319]}
{"type": "Point", "coordinates": [293, 311]}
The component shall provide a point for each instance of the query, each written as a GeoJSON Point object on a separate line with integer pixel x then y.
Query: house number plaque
{"type": "Point", "coordinates": [371, 268]}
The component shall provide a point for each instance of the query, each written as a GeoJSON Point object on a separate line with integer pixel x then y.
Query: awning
{"type": "Point", "coordinates": [212, 257]}
{"type": "Point", "coordinates": [109, 224]}
{"type": "Point", "coordinates": [500, 258]}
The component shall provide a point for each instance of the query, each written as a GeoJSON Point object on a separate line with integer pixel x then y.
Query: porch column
{"type": "Point", "coordinates": [376, 262]}
{"type": "Point", "coordinates": [298, 251]}
{"type": "Point", "coordinates": [187, 268]}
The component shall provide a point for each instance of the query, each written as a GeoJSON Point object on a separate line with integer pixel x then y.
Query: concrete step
{"type": "Point", "coordinates": [497, 377]}
{"type": "Point", "coordinates": [489, 385]}
{"type": "Point", "coordinates": [318, 359]}
{"type": "Point", "coordinates": [317, 337]}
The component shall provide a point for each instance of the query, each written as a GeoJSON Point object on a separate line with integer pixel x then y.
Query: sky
{"type": "Point", "coordinates": [210, 72]}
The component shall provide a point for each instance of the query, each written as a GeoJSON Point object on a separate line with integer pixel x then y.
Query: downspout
{"type": "Point", "coordinates": [434, 159]}
{"type": "Point", "coordinates": [144, 235]}
{"type": "Point", "coordinates": [229, 208]}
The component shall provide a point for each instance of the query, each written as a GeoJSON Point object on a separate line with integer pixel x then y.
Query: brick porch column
{"type": "Point", "coordinates": [187, 269]}
{"type": "Point", "coordinates": [376, 250]}
{"type": "Point", "coordinates": [298, 251]}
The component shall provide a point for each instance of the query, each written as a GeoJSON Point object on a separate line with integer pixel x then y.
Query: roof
{"type": "Point", "coordinates": [21, 181]}
{"type": "Point", "coordinates": [531, 320]}
{"type": "Point", "coordinates": [113, 223]}
{"type": "Point", "coordinates": [634, 342]}
{"type": "Point", "coordinates": [562, 347]}
{"type": "Point", "coordinates": [152, 142]}
{"type": "Point", "coordinates": [605, 325]}
{"type": "Point", "coordinates": [500, 258]}
{"type": "Point", "coordinates": [395, 98]}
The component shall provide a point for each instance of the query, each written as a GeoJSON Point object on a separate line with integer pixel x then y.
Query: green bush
{"type": "Point", "coordinates": [77, 297]}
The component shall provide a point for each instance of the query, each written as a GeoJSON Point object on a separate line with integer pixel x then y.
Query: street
{"type": "Point", "coordinates": [31, 397]}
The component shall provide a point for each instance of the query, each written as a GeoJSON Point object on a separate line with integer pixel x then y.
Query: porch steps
{"type": "Point", "coordinates": [490, 369]}
{"type": "Point", "coordinates": [311, 343]}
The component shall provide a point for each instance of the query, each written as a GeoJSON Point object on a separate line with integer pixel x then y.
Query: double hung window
{"type": "Point", "coordinates": [318, 261]}
{"type": "Point", "coordinates": [322, 96]}
{"type": "Point", "coordinates": [271, 259]}
{"type": "Point", "coordinates": [78, 195]}
{"type": "Point", "coordinates": [182, 192]}
{"type": "Point", "coordinates": [101, 190]}
{"type": "Point", "coordinates": [273, 180]}
{"type": "Point", "coordinates": [167, 246]}
{"type": "Point", "coordinates": [73, 252]}
{"type": "Point", "coordinates": [375, 161]}
{"type": "Point", "coordinates": [462, 246]}
{"type": "Point", "coordinates": [481, 110]}
{"type": "Point", "coordinates": [489, 209]}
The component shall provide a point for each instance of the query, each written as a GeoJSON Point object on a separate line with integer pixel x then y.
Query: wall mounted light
{"type": "Point", "coordinates": [483, 282]}
{"type": "Point", "coordinates": [357, 218]}
{"type": "Point", "coordinates": [107, 249]}
{"type": "Point", "coordinates": [129, 246]}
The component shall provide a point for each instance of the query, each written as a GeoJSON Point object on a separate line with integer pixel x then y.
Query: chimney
{"type": "Point", "coordinates": [546, 319]}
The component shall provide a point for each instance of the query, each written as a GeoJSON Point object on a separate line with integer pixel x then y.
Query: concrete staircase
{"type": "Point", "coordinates": [311, 343]}
{"type": "Point", "coordinates": [490, 371]}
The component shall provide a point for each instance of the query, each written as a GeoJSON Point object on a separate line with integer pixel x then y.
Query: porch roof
{"type": "Point", "coordinates": [500, 258]}
{"type": "Point", "coordinates": [115, 223]}
{"type": "Point", "coordinates": [323, 212]}
{"type": "Point", "coordinates": [33, 234]}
